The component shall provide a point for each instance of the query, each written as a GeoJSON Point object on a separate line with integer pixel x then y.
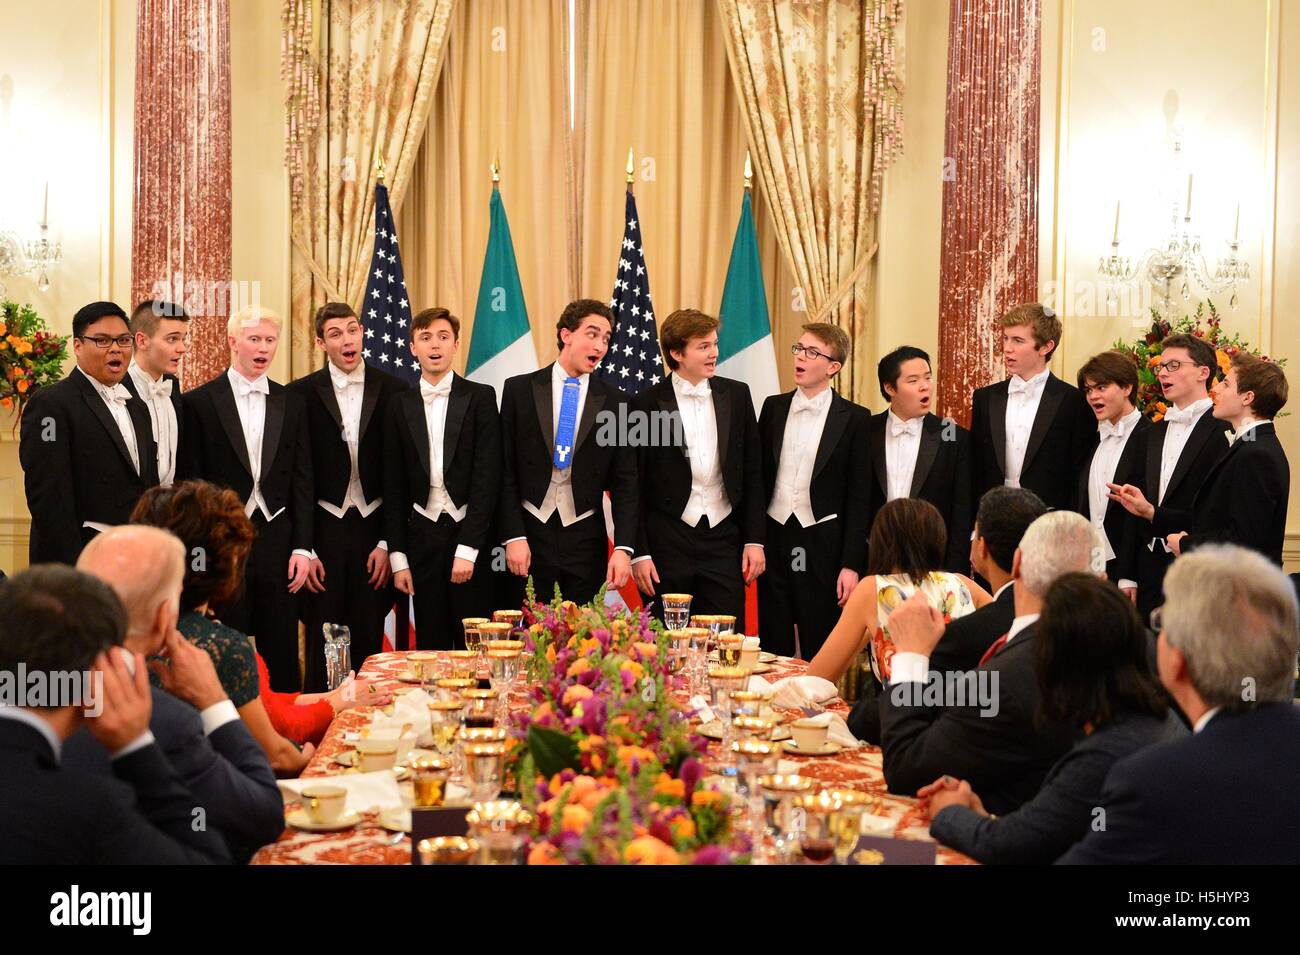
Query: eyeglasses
{"type": "Point", "coordinates": [1172, 365]}
{"type": "Point", "coordinates": [1157, 619]}
{"type": "Point", "coordinates": [812, 354]}
{"type": "Point", "coordinates": [104, 341]}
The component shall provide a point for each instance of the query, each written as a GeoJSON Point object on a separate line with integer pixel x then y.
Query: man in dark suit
{"type": "Point", "coordinates": [1181, 449]}
{"type": "Point", "coordinates": [702, 522]}
{"type": "Point", "coordinates": [999, 738]}
{"type": "Point", "coordinates": [1226, 795]}
{"type": "Point", "coordinates": [195, 723]}
{"type": "Point", "coordinates": [162, 333]}
{"type": "Point", "coordinates": [1032, 430]}
{"type": "Point", "coordinates": [916, 454]}
{"type": "Point", "coordinates": [86, 448]}
{"type": "Point", "coordinates": [814, 454]}
{"type": "Point", "coordinates": [248, 433]}
{"type": "Point", "coordinates": [561, 457]}
{"type": "Point", "coordinates": [347, 404]}
{"type": "Point", "coordinates": [56, 620]}
{"type": "Point", "coordinates": [1109, 382]}
{"type": "Point", "coordinates": [441, 483]}
{"type": "Point", "coordinates": [1244, 497]}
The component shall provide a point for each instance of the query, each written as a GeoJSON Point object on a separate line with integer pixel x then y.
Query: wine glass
{"type": "Point", "coordinates": [846, 821]}
{"type": "Point", "coordinates": [484, 766]}
{"type": "Point", "coordinates": [814, 812]}
{"type": "Point", "coordinates": [471, 625]}
{"type": "Point", "coordinates": [697, 655]}
{"type": "Point", "coordinates": [677, 610]}
{"type": "Point", "coordinates": [729, 649]}
{"type": "Point", "coordinates": [779, 791]}
{"type": "Point", "coordinates": [430, 780]}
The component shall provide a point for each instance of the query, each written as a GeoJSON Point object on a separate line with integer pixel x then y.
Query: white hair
{"type": "Point", "coordinates": [144, 565]}
{"type": "Point", "coordinates": [1055, 544]}
{"type": "Point", "coordinates": [1232, 612]}
{"type": "Point", "coordinates": [249, 316]}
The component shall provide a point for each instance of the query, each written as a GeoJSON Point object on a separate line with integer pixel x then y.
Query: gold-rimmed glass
{"type": "Point", "coordinates": [464, 664]}
{"type": "Point", "coordinates": [677, 610]}
{"type": "Point", "coordinates": [513, 617]}
{"type": "Point", "coordinates": [449, 688]}
{"type": "Point", "coordinates": [746, 702]}
{"type": "Point", "coordinates": [503, 664]}
{"type": "Point", "coordinates": [498, 825]}
{"type": "Point", "coordinates": [430, 780]}
{"type": "Point", "coordinates": [484, 769]}
{"type": "Point", "coordinates": [492, 632]}
{"type": "Point", "coordinates": [722, 682]}
{"type": "Point", "coordinates": [697, 655]}
{"type": "Point", "coordinates": [779, 792]}
{"type": "Point", "coordinates": [846, 820]}
{"type": "Point", "coordinates": [471, 625]}
{"type": "Point", "coordinates": [814, 812]}
{"type": "Point", "coordinates": [425, 666]}
{"type": "Point", "coordinates": [444, 723]}
{"type": "Point", "coordinates": [729, 649]}
{"type": "Point", "coordinates": [752, 727]}
{"type": "Point", "coordinates": [754, 758]}
{"type": "Point", "coordinates": [447, 850]}
{"type": "Point", "coordinates": [480, 708]}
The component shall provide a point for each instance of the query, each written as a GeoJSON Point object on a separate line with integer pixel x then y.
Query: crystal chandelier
{"type": "Point", "coordinates": [37, 255]}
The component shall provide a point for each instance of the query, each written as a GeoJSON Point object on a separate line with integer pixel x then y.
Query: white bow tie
{"type": "Point", "coordinates": [1021, 387]}
{"type": "Point", "coordinates": [1108, 430]}
{"type": "Point", "coordinates": [898, 428]}
{"type": "Point", "coordinates": [428, 392]}
{"type": "Point", "coordinates": [688, 390]}
{"type": "Point", "coordinates": [117, 394]}
{"type": "Point", "coordinates": [1180, 416]}
{"type": "Point", "coordinates": [357, 376]}
{"type": "Point", "coordinates": [801, 403]}
{"type": "Point", "coordinates": [161, 388]}
{"type": "Point", "coordinates": [244, 387]}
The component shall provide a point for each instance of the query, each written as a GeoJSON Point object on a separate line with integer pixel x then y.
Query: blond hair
{"type": "Point", "coordinates": [250, 315]}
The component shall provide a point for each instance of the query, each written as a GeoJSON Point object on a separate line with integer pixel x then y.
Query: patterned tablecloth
{"type": "Point", "coordinates": [371, 844]}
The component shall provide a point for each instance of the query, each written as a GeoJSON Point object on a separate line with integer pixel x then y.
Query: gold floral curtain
{"type": "Point", "coordinates": [360, 77]}
{"type": "Point", "coordinates": [820, 90]}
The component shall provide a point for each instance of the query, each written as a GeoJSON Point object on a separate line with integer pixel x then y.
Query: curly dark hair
{"type": "Point", "coordinates": [217, 535]}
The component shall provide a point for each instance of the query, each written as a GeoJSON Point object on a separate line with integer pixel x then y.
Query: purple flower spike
{"type": "Point", "coordinates": [712, 855]}
{"type": "Point", "coordinates": [690, 773]}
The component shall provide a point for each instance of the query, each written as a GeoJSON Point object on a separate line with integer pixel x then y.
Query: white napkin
{"type": "Point", "coordinates": [837, 729]}
{"type": "Point", "coordinates": [365, 790]}
{"type": "Point", "coordinates": [751, 643]}
{"type": "Point", "coordinates": [410, 708]}
{"type": "Point", "coordinates": [795, 691]}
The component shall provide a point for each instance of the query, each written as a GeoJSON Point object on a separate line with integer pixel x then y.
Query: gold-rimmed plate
{"type": "Point", "coordinates": [829, 748]}
{"type": "Point", "coordinates": [396, 819]}
{"type": "Point", "coordinates": [713, 731]}
{"type": "Point", "coordinates": [303, 820]}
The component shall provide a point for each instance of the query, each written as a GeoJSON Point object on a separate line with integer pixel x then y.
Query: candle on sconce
{"type": "Point", "coordinates": [1236, 228]}
{"type": "Point", "coordinates": [1187, 212]}
{"type": "Point", "coordinates": [1114, 239]}
{"type": "Point", "coordinates": [45, 210]}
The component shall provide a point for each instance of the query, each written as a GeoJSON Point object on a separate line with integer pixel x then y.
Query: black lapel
{"type": "Point", "coordinates": [223, 397]}
{"type": "Point", "coordinates": [413, 409]}
{"type": "Point", "coordinates": [780, 416]}
{"type": "Point", "coordinates": [325, 389]}
{"type": "Point", "coordinates": [722, 418]}
{"type": "Point", "coordinates": [998, 423]}
{"type": "Point", "coordinates": [1155, 455]}
{"type": "Point", "coordinates": [1206, 427]}
{"type": "Point", "coordinates": [1047, 405]}
{"type": "Point", "coordinates": [142, 422]}
{"type": "Point", "coordinates": [926, 452]}
{"type": "Point", "coordinates": [594, 403]}
{"type": "Point", "coordinates": [457, 405]}
{"type": "Point", "coordinates": [180, 409]}
{"type": "Point", "coordinates": [276, 402]}
{"type": "Point", "coordinates": [667, 400]}
{"type": "Point", "coordinates": [545, 407]}
{"type": "Point", "coordinates": [100, 410]}
{"type": "Point", "coordinates": [837, 419]}
{"type": "Point", "coordinates": [878, 425]}
{"type": "Point", "coordinates": [369, 401]}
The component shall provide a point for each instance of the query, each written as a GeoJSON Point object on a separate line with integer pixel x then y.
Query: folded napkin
{"type": "Point", "coordinates": [751, 643]}
{"type": "Point", "coordinates": [837, 729]}
{"type": "Point", "coordinates": [795, 691]}
{"type": "Point", "coordinates": [365, 790]}
{"type": "Point", "coordinates": [410, 708]}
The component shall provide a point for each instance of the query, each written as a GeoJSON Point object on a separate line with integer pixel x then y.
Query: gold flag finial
{"type": "Point", "coordinates": [749, 171]}
{"type": "Point", "coordinates": [631, 178]}
{"type": "Point", "coordinates": [496, 169]}
{"type": "Point", "coordinates": [379, 164]}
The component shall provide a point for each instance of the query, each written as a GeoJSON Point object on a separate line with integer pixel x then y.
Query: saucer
{"type": "Point", "coordinates": [877, 825]}
{"type": "Point", "coordinates": [408, 676]}
{"type": "Point", "coordinates": [396, 819]}
{"type": "Point", "coordinates": [303, 820]}
{"type": "Point", "coordinates": [829, 748]}
{"type": "Point", "coordinates": [713, 730]}
{"type": "Point", "coordinates": [347, 757]}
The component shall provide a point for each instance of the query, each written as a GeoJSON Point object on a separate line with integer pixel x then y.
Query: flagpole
{"type": "Point", "coordinates": [631, 178]}
{"type": "Point", "coordinates": [379, 165]}
{"type": "Point", "coordinates": [749, 173]}
{"type": "Point", "coordinates": [496, 172]}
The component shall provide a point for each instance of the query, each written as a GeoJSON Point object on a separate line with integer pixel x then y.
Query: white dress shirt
{"type": "Point", "coordinates": [349, 392]}
{"type": "Point", "coordinates": [1023, 398]}
{"type": "Point", "coordinates": [1112, 439]}
{"type": "Point", "coordinates": [1208, 715]}
{"type": "Point", "coordinates": [910, 667]}
{"type": "Point", "coordinates": [157, 396]}
{"type": "Point", "coordinates": [700, 429]}
{"type": "Point", "coordinates": [115, 399]}
{"type": "Point", "coordinates": [250, 401]}
{"type": "Point", "coordinates": [902, 444]}
{"type": "Point", "coordinates": [1248, 425]}
{"type": "Point", "coordinates": [799, 444]}
{"type": "Point", "coordinates": [1181, 421]}
{"type": "Point", "coordinates": [559, 496]}
{"type": "Point", "coordinates": [436, 398]}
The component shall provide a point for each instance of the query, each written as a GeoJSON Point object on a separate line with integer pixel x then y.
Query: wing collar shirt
{"type": "Point", "coordinates": [157, 396]}
{"type": "Point", "coordinates": [902, 442]}
{"type": "Point", "coordinates": [799, 444]}
{"type": "Point", "coordinates": [115, 399]}
{"type": "Point", "coordinates": [1112, 439]}
{"type": "Point", "coordinates": [1180, 423]}
{"type": "Point", "coordinates": [1023, 397]}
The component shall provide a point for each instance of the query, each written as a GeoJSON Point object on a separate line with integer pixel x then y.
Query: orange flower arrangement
{"type": "Point", "coordinates": [29, 355]}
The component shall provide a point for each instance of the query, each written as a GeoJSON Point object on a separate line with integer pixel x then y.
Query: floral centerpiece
{"type": "Point", "coordinates": [606, 759]}
{"type": "Point", "coordinates": [29, 355]}
{"type": "Point", "coordinates": [1145, 352]}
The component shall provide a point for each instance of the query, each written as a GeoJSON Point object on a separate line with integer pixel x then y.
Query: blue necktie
{"type": "Point", "coordinates": [568, 420]}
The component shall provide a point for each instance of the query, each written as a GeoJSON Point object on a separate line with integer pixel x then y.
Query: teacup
{"type": "Point", "coordinates": [323, 802]}
{"type": "Point", "coordinates": [404, 744]}
{"type": "Point", "coordinates": [376, 754]}
{"type": "Point", "coordinates": [424, 665]}
{"type": "Point", "coordinates": [808, 735]}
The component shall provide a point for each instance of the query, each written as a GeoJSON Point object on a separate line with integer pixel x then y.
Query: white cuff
{"type": "Point", "coordinates": [1127, 584]}
{"type": "Point", "coordinates": [637, 560]}
{"type": "Point", "coordinates": [309, 554]}
{"type": "Point", "coordinates": [464, 553]}
{"type": "Point", "coordinates": [382, 545]}
{"type": "Point", "coordinates": [397, 562]}
{"type": "Point", "coordinates": [909, 668]}
{"type": "Point", "coordinates": [218, 715]}
{"type": "Point", "coordinates": [140, 742]}
{"type": "Point", "coordinates": [513, 539]}
{"type": "Point", "coordinates": [626, 550]}
{"type": "Point", "coordinates": [759, 546]}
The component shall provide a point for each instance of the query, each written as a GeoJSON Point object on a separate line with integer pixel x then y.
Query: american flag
{"type": "Point", "coordinates": [386, 310]}
{"type": "Point", "coordinates": [633, 361]}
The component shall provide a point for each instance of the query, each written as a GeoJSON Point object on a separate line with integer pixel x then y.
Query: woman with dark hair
{"type": "Point", "coordinates": [218, 537]}
{"type": "Point", "coordinates": [1094, 673]}
{"type": "Point", "coordinates": [907, 546]}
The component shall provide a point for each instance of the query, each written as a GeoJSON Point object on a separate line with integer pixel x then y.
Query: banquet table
{"type": "Point", "coordinates": [369, 843]}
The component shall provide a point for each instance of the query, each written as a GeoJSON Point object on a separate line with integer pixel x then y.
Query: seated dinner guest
{"type": "Point", "coordinates": [86, 448]}
{"type": "Point", "coordinates": [998, 741]}
{"type": "Point", "coordinates": [1226, 794]}
{"type": "Point", "coordinates": [59, 620]}
{"type": "Point", "coordinates": [193, 719]}
{"type": "Point", "coordinates": [903, 558]}
{"type": "Point", "coordinates": [1093, 675]}
{"type": "Point", "coordinates": [1109, 382]}
{"type": "Point", "coordinates": [304, 717]}
{"type": "Point", "coordinates": [210, 521]}
{"type": "Point", "coordinates": [1244, 498]}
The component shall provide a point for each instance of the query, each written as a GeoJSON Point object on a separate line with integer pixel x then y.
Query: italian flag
{"type": "Point", "coordinates": [501, 344]}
